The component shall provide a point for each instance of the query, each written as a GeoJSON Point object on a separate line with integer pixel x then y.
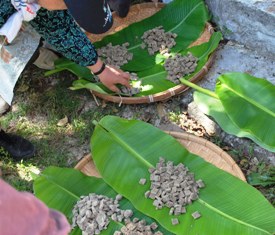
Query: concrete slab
{"type": "Point", "coordinates": [249, 22]}
{"type": "Point", "coordinates": [234, 57]}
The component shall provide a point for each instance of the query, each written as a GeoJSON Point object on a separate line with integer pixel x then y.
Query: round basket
{"type": "Point", "coordinates": [196, 145]}
{"type": "Point", "coordinates": [137, 13]}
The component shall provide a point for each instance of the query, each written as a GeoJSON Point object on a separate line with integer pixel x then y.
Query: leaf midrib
{"type": "Point", "coordinates": [127, 147]}
{"type": "Point", "coordinates": [249, 100]}
{"type": "Point", "coordinates": [59, 186]}
{"type": "Point", "coordinates": [178, 25]}
{"type": "Point", "coordinates": [139, 157]}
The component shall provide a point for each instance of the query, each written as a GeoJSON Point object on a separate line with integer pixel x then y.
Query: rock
{"type": "Point", "coordinates": [251, 23]}
{"type": "Point", "coordinates": [210, 126]}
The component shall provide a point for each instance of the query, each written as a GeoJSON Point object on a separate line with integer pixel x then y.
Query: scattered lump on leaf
{"type": "Point", "coordinates": [173, 186]}
{"type": "Point", "coordinates": [175, 221]}
{"type": "Point", "coordinates": [196, 215]}
{"type": "Point", "coordinates": [93, 213]}
{"type": "Point", "coordinates": [129, 91]}
{"type": "Point", "coordinates": [157, 40]}
{"type": "Point", "coordinates": [180, 66]}
{"type": "Point", "coordinates": [142, 181]}
{"type": "Point", "coordinates": [135, 88]}
{"type": "Point", "coordinates": [115, 55]}
{"type": "Point", "coordinates": [138, 227]}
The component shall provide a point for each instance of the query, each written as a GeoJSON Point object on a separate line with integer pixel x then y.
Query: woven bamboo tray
{"type": "Point", "coordinates": [137, 13]}
{"type": "Point", "coordinates": [197, 145]}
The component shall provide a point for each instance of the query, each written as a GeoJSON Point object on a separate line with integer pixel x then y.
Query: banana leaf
{"type": "Point", "coordinates": [249, 102]}
{"type": "Point", "coordinates": [154, 79]}
{"type": "Point", "coordinates": [214, 108]}
{"type": "Point", "coordinates": [242, 105]}
{"type": "Point", "coordinates": [65, 64]}
{"type": "Point", "coordinates": [186, 18]}
{"type": "Point", "coordinates": [83, 83]}
{"type": "Point", "coordinates": [61, 188]}
{"type": "Point", "coordinates": [123, 151]}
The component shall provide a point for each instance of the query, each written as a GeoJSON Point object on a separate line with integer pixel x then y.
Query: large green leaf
{"type": "Point", "coordinates": [61, 188]}
{"type": "Point", "coordinates": [154, 79]}
{"type": "Point", "coordinates": [123, 151]}
{"type": "Point", "coordinates": [249, 102]}
{"type": "Point", "coordinates": [83, 83]}
{"type": "Point", "coordinates": [186, 18]}
{"type": "Point", "coordinates": [214, 108]}
{"type": "Point", "coordinates": [65, 64]}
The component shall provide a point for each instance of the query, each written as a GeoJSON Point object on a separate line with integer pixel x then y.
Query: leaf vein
{"type": "Point", "coordinates": [178, 25]}
{"type": "Point", "coordinates": [230, 217]}
{"type": "Point", "coordinates": [250, 101]}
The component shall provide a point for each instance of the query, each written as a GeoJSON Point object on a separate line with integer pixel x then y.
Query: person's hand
{"type": "Point", "coordinates": [4, 54]}
{"type": "Point", "coordinates": [111, 76]}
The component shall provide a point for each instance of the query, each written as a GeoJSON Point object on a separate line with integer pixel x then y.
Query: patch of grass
{"type": "Point", "coordinates": [20, 111]}
{"type": "Point", "coordinates": [35, 115]}
{"type": "Point", "coordinates": [257, 173]}
{"type": "Point", "coordinates": [56, 103]}
{"type": "Point", "coordinates": [174, 116]}
{"type": "Point", "coordinates": [16, 174]}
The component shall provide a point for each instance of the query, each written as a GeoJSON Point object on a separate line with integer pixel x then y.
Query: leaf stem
{"type": "Point", "coordinates": [95, 122]}
{"type": "Point", "coordinates": [198, 88]}
{"type": "Point", "coordinates": [51, 72]}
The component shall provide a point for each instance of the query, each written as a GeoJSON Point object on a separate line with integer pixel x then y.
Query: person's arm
{"type": "Point", "coordinates": [59, 29]}
{"type": "Point", "coordinates": [22, 213]}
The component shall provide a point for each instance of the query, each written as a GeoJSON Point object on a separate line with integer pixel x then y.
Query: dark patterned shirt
{"type": "Point", "coordinates": [59, 29]}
